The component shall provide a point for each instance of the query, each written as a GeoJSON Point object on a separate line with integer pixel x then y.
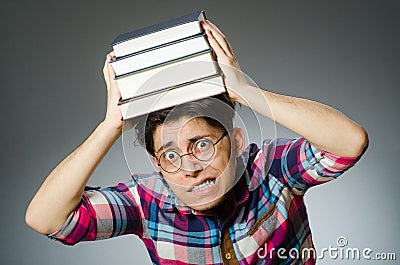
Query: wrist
{"type": "Point", "coordinates": [111, 128]}
{"type": "Point", "coordinates": [243, 94]}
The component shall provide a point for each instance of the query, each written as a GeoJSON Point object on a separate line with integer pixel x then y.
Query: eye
{"type": "Point", "coordinates": [203, 144]}
{"type": "Point", "coordinates": [171, 156]}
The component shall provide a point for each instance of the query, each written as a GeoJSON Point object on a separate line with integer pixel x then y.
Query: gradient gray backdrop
{"type": "Point", "coordinates": [342, 53]}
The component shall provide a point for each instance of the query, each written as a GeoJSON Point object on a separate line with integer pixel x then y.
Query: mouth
{"type": "Point", "coordinates": [205, 184]}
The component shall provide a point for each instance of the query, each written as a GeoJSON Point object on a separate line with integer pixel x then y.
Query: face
{"type": "Point", "coordinates": [199, 184]}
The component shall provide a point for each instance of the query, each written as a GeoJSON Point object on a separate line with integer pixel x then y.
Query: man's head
{"type": "Point", "coordinates": [194, 145]}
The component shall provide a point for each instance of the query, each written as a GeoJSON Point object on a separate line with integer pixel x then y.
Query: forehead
{"type": "Point", "coordinates": [182, 130]}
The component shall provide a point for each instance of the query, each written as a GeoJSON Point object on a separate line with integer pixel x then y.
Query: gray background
{"type": "Point", "coordinates": [342, 53]}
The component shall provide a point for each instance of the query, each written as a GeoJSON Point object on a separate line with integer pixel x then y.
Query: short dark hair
{"type": "Point", "coordinates": [218, 111]}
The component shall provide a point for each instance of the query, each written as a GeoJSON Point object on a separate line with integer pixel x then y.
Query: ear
{"type": "Point", "coordinates": [155, 161]}
{"type": "Point", "coordinates": [237, 138]}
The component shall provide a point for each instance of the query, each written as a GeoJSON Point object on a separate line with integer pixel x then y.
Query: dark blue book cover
{"type": "Point", "coordinates": [196, 16]}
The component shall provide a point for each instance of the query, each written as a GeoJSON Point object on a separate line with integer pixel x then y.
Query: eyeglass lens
{"type": "Point", "coordinates": [203, 150]}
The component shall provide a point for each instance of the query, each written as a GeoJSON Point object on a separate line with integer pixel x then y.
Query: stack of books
{"type": "Point", "coordinates": [165, 65]}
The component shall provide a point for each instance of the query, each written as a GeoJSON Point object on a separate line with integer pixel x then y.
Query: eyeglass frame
{"type": "Point", "coordinates": [191, 153]}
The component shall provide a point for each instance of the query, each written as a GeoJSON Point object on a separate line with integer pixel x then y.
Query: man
{"type": "Point", "coordinates": [199, 209]}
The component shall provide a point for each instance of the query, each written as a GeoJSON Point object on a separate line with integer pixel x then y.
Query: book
{"type": "Point", "coordinates": [159, 55]}
{"type": "Point", "coordinates": [198, 66]}
{"type": "Point", "coordinates": [165, 65]}
{"type": "Point", "coordinates": [165, 32]}
{"type": "Point", "coordinates": [172, 96]}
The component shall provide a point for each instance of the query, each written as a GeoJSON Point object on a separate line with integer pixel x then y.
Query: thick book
{"type": "Point", "coordinates": [172, 96]}
{"type": "Point", "coordinates": [165, 32]}
{"type": "Point", "coordinates": [198, 66]}
{"type": "Point", "coordinates": [160, 55]}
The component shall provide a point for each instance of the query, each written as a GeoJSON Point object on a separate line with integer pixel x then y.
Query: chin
{"type": "Point", "coordinates": [209, 205]}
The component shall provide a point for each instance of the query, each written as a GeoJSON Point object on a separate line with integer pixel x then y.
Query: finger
{"type": "Point", "coordinates": [108, 74]}
{"type": "Point", "coordinates": [105, 73]}
{"type": "Point", "coordinates": [113, 86]}
{"type": "Point", "coordinates": [111, 56]}
{"type": "Point", "coordinates": [215, 28]}
{"type": "Point", "coordinates": [110, 71]}
{"type": "Point", "coordinates": [215, 45]}
{"type": "Point", "coordinates": [220, 37]}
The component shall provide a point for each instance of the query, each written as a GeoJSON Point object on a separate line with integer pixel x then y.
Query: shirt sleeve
{"type": "Point", "coordinates": [102, 214]}
{"type": "Point", "coordinates": [304, 165]}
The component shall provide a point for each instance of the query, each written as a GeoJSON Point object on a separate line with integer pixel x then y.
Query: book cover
{"type": "Point", "coordinates": [158, 34]}
{"type": "Point", "coordinates": [195, 16]}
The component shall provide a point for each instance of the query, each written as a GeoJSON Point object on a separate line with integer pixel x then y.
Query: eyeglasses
{"type": "Point", "coordinates": [203, 150]}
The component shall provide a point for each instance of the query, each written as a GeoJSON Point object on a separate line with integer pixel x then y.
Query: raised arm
{"type": "Point", "coordinates": [62, 190]}
{"type": "Point", "coordinates": [325, 127]}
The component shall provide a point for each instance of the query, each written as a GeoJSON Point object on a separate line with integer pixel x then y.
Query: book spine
{"type": "Point", "coordinates": [201, 34]}
{"type": "Point", "coordinates": [164, 63]}
{"type": "Point", "coordinates": [173, 97]}
{"type": "Point", "coordinates": [154, 92]}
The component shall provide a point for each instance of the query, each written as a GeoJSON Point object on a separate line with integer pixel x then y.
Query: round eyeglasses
{"type": "Point", "coordinates": [203, 150]}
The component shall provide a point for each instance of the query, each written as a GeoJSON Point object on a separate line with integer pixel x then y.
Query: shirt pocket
{"type": "Point", "coordinates": [264, 221]}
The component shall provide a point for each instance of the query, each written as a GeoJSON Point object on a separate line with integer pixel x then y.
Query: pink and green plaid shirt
{"type": "Point", "coordinates": [267, 224]}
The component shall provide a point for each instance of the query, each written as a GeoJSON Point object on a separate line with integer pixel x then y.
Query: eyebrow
{"type": "Point", "coordinates": [164, 146]}
{"type": "Point", "coordinates": [191, 140]}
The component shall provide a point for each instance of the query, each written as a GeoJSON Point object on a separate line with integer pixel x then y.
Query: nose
{"type": "Point", "coordinates": [190, 165]}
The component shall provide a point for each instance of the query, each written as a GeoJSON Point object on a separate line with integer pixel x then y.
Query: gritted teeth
{"type": "Point", "coordinates": [206, 184]}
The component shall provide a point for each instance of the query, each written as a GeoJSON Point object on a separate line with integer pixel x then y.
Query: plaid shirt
{"type": "Point", "coordinates": [268, 226]}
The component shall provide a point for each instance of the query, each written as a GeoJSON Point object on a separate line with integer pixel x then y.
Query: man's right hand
{"type": "Point", "coordinates": [113, 116]}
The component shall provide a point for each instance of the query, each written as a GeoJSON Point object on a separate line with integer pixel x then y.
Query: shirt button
{"type": "Point", "coordinates": [228, 255]}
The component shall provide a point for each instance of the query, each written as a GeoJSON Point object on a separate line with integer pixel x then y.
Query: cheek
{"type": "Point", "coordinates": [227, 169]}
{"type": "Point", "coordinates": [177, 179]}
{"type": "Point", "coordinates": [223, 162]}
